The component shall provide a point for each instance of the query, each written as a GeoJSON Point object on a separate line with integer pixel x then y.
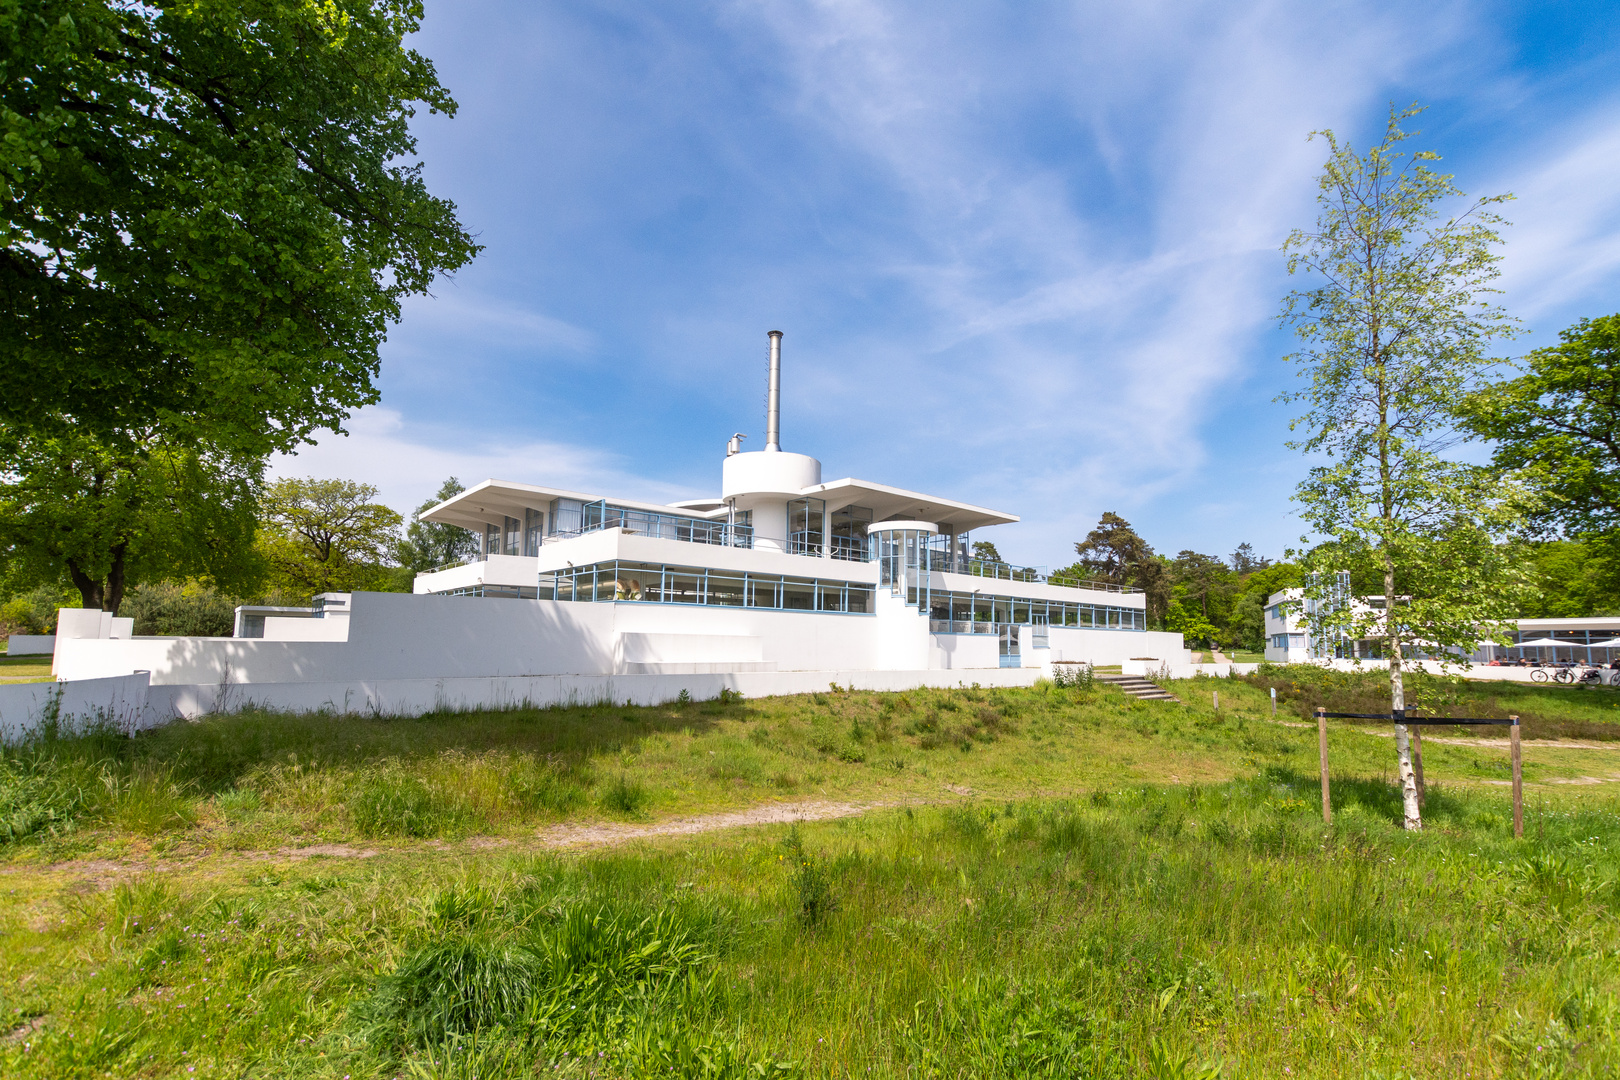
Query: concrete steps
{"type": "Point", "coordinates": [1138, 687]}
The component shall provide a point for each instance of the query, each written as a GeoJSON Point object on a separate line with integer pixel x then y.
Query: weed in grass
{"type": "Point", "coordinates": [147, 799]}
{"type": "Point", "coordinates": [390, 803]}
{"type": "Point", "coordinates": [625, 796]}
{"type": "Point", "coordinates": [812, 881]}
{"type": "Point", "coordinates": [38, 795]}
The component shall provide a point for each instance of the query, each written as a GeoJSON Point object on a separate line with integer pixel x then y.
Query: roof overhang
{"type": "Point", "coordinates": [491, 501]}
{"type": "Point", "coordinates": [487, 503]}
{"type": "Point", "coordinates": [892, 503]}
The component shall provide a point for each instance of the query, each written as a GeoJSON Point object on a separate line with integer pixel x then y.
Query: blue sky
{"type": "Point", "coordinates": [1024, 255]}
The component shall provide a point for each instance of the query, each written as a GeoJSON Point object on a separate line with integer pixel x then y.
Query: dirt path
{"type": "Point", "coordinates": [1539, 744]}
{"type": "Point", "coordinates": [573, 836]}
{"type": "Point", "coordinates": [99, 873]}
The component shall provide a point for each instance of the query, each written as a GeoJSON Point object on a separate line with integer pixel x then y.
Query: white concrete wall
{"type": "Point", "coordinates": [954, 652]}
{"type": "Point", "coordinates": [30, 644]}
{"type": "Point", "coordinates": [412, 697]}
{"type": "Point", "coordinates": [121, 702]}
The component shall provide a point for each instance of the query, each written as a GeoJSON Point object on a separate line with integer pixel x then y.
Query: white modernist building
{"type": "Point", "coordinates": [782, 582]}
{"type": "Point", "coordinates": [1592, 640]}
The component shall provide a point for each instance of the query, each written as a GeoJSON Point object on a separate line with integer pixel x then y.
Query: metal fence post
{"type": "Point", "coordinates": [1417, 762]}
{"type": "Point", "coordinates": [1321, 749]}
{"type": "Point", "coordinates": [1518, 783]}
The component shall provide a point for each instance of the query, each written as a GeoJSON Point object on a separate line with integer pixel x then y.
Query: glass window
{"type": "Point", "coordinates": [763, 592]}
{"type": "Point", "coordinates": [514, 536]}
{"type": "Point", "coordinates": [683, 586]}
{"type": "Point", "coordinates": [726, 591]}
{"type": "Point", "coordinates": [798, 594]}
{"type": "Point", "coordinates": [830, 596]}
{"type": "Point", "coordinates": [534, 527]}
{"type": "Point", "coordinates": [806, 519]}
{"type": "Point", "coordinates": [634, 581]}
{"type": "Point", "coordinates": [566, 516]}
{"type": "Point", "coordinates": [859, 599]}
{"type": "Point", "coordinates": [848, 533]}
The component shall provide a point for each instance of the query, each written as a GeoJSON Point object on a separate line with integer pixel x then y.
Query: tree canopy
{"type": "Point", "coordinates": [1558, 426]}
{"type": "Point", "coordinates": [328, 536]}
{"type": "Point", "coordinates": [212, 213]}
{"type": "Point", "coordinates": [109, 516]}
{"type": "Point", "coordinates": [429, 543]}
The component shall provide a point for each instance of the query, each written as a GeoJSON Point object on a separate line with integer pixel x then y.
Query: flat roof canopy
{"type": "Point", "coordinates": [895, 504]}
{"type": "Point", "coordinates": [487, 503]}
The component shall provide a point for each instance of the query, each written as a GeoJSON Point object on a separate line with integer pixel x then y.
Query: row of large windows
{"type": "Point", "coordinates": [652, 583]}
{"type": "Point", "coordinates": [965, 607]}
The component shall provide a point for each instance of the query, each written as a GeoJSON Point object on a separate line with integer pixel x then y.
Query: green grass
{"type": "Point", "coordinates": [24, 668]}
{"type": "Point", "coordinates": [1135, 889]}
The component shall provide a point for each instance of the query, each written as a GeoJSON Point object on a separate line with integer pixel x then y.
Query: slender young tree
{"type": "Point", "coordinates": [1394, 334]}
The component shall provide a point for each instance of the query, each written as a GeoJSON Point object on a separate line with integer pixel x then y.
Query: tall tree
{"type": "Point", "coordinates": [211, 214]}
{"type": "Point", "coordinates": [984, 549]}
{"type": "Point", "coordinates": [429, 543]}
{"type": "Point", "coordinates": [1245, 562]}
{"type": "Point", "coordinates": [1558, 425]}
{"type": "Point", "coordinates": [112, 515]}
{"type": "Point", "coordinates": [1115, 553]}
{"type": "Point", "coordinates": [328, 536]}
{"type": "Point", "coordinates": [1201, 576]}
{"type": "Point", "coordinates": [1394, 335]}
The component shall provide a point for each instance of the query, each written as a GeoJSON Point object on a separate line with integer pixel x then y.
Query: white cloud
{"type": "Point", "coordinates": [407, 465]}
{"type": "Point", "coordinates": [474, 319]}
{"type": "Point", "coordinates": [1565, 241]}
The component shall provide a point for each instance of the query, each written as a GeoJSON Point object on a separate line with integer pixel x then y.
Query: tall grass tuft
{"type": "Point", "coordinates": [391, 803]}
{"type": "Point", "coordinates": [625, 796]}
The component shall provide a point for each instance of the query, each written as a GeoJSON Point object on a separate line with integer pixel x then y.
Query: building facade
{"type": "Point", "coordinates": [782, 582]}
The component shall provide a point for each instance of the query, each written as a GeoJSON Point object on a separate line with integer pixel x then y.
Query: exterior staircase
{"type": "Point", "coordinates": [1138, 687]}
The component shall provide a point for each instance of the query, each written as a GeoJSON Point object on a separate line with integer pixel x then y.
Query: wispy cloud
{"type": "Point", "coordinates": [407, 462]}
{"type": "Point", "coordinates": [1025, 254]}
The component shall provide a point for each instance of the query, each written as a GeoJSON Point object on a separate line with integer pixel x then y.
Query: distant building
{"type": "Point", "coordinates": [1593, 640]}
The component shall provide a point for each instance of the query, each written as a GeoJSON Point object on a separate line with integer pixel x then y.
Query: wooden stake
{"type": "Point", "coordinates": [1321, 749]}
{"type": "Point", "coordinates": [1518, 784]}
{"type": "Point", "coordinates": [1274, 703]}
{"type": "Point", "coordinates": [1217, 700]}
{"type": "Point", "coordinates": [1417, 761]}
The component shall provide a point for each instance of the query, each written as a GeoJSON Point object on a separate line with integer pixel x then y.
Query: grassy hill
{"type": "Point", "coordinates": [1045, 882]}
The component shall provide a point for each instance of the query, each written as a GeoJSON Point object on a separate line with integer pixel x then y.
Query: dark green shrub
{"type": "Point", "coordinates": [170, 610]}
{"type": "Point", "coordinates": [624, 796]}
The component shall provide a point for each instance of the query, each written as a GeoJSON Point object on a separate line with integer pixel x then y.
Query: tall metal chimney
{"type": "Point", "coordinates": [773, 407]}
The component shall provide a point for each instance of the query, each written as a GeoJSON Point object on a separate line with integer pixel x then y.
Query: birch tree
{"type": "Point", "coordinates": [1393, 332]}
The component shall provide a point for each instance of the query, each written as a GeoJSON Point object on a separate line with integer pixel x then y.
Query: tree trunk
{"type": "Point", "coordinates": [1397, 702]}
{"type": "Point", "coordinates": [90, 590]}
{"type": "Point", "coordinates": [113, 597]}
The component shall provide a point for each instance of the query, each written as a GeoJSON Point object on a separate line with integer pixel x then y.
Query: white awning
{"type": "Point", "coordinates": [1544, 643]}
{"type": "Point", "coordinates": [1612, 643]}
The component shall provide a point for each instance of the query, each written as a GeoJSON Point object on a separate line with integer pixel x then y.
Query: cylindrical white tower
{"type": "Point", "coordinates": [763, 482]}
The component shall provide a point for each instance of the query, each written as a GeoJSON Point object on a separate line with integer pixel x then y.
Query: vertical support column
{"type": "Point", "coordinates": [1321, 750]}
{"type": "Point", "coordinates": [1518, 784]}
{"type": "Point", "coordinates": [1417, 761]}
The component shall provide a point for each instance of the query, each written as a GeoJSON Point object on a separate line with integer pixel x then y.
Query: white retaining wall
{"type": "Point", "coordinates": [131, 704]}
{"type": "Point", "coordinates": [30, 644]}
{"type": "Point", "coordinates": [121, 702]}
